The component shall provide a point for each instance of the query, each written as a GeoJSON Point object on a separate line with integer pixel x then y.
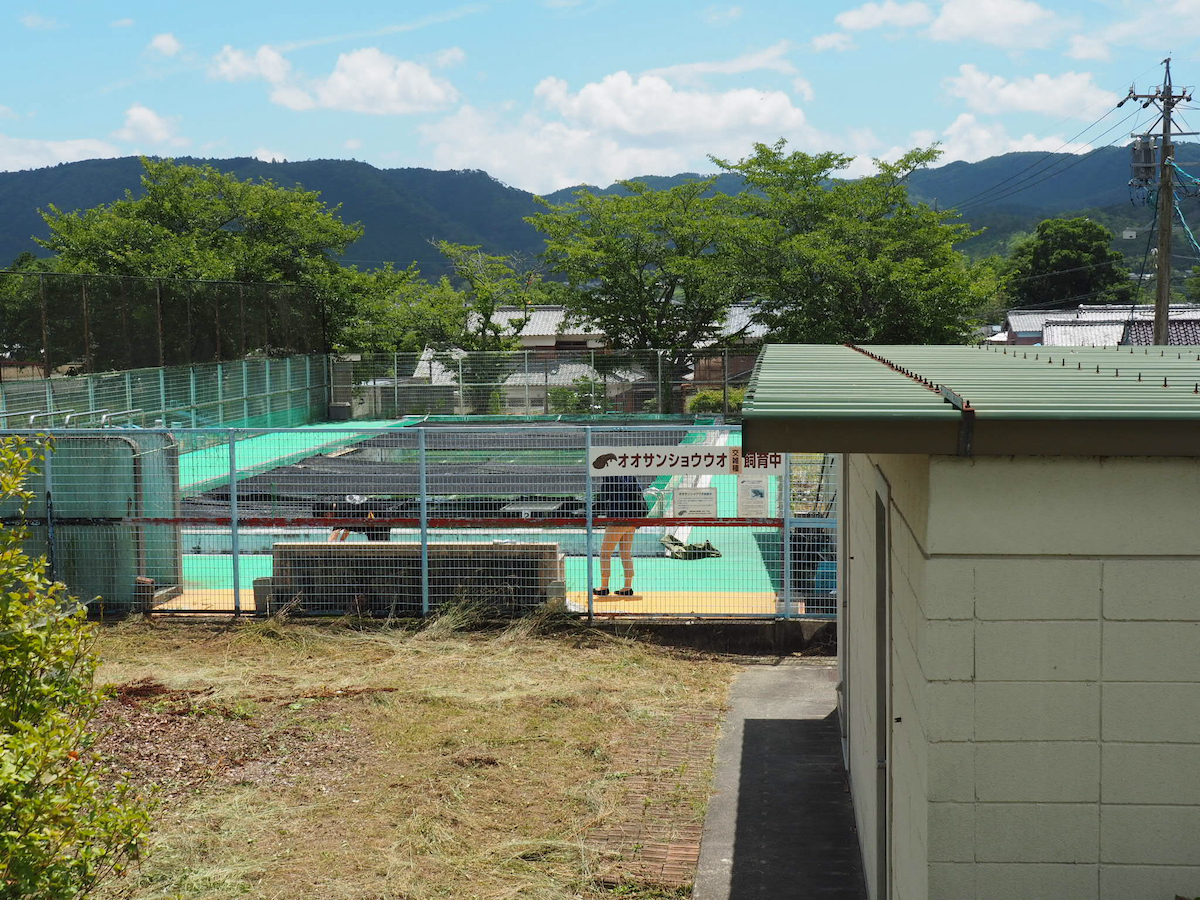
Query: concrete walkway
{"type": "Point", "coordinates": [780, 824]}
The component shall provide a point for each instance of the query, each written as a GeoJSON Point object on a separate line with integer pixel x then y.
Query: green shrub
{"type": "Point", "coordinates": [65, 824]}
{"type": "Point", "coordinates": [713, 401]}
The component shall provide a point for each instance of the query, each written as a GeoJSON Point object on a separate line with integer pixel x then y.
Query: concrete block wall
{"type": "Point", "coordinates": [1045, 669]}
{"type": "Point", "coordinates": [1054, 636]}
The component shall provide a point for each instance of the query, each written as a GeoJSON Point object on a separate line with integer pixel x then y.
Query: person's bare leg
{"type": "Point", "coordinates": [626, 549]}
{"type": "Point", "coordinates": [608, 546]}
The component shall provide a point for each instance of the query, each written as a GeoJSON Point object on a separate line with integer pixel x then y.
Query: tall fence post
{"type": "Point", "coordinates": [192, 392]}
{"type": "Point", "coordinates": [785, 497]}
{"type": "Point", "coordinates": [395, 385]}
{"type": "Point", "coordinates": [423, 487]}
{"type": "Point", "coordinates": [233, 523]}
{"type": "Point", "coordinates": [528, 411]}
{"type": "Point", "coordinates": [162, 351]}
{"type": "Point", "coordinates": [128, 392]}
{"type": "Point", "coordinates": [245, 393]}
{"type": "Point", "coordinates": [48, 474]}
{"type": "Point", "coordinates": [587, 487]}
{"type": "Point", "coordinates": [462, 398]}
{"type": "Point", "coordinates": [47, 367]}
{"type": "Point", "coordinates": [661, 409]}
{"type": "Point", "coordinates": [725, 381]}
{"type": "Point", "coordinates": [267, 385]}
{"type": "Point", "coordinates": [162, 395]}
{"type": "Point", "coordinates": [87, 327]}
{"type": "Point", "coordinates": [287, 397]}
{"type": "Point", "coordinates": [220, 394]}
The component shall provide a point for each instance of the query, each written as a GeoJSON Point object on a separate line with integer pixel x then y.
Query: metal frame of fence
{"type": "Point", "coordinates": [406, 520]}
{"type": "Point", "coordinates": [261, 391]}
{"type": "Point", "coordinates": [98, 323]}
{"type": "Point", "coordinates": [540, 382]}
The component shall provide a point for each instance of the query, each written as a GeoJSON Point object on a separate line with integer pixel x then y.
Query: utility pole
{"type": "Point", "coordinates": [1166, 96]}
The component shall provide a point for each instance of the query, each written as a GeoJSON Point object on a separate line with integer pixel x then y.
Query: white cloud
{"type": "Point", "coordinates": [352, 144]}
{"type": "Point", "coordinates": [837, 40]}
{"type": "Point", "coordinates": [144, 125]}
{"type": "Point", "coordinates": [1002, 23]}
{"type": "Point", "coordinates": [24, 153]}
{"type": "Point", "coordinates": [539, 155]}
{"type": "Point", "coordinates": [720, 14]}
{"type": "Point", "coordinates": [6, 112]}
{"type": "Point", "coordinates": [1084, 46]}
{"type": "Point", "coordinates": [970, 140]}
{"type": "Point", "coordinates": [650, 105]}
{"type": "Point", "coordinates": [451, 56]}
{"type": "Point", "coordinates": [618, 127]}
{"type": "Point", "coordinates": [293, 97]}
{"type": "Point", "coordinates": [120, 23]}
{"type": "Point", "coordinates": [237, 65]}
{"type": "Point", "coordinates": [366, 81]}
{"type": "Point", "coordinates": [166, 44]}
{"type": "Point", "coordinates": [1061, 95]}
{"type": "Point", "coordinates": [770, 59]}
{"type": "Point", "coordinates": [1154, 27]}
{"type": "Point", "coordinates": [804, 88]}
{"type": "Point", "coordinates": [371, 81]}
{"type": "Point", "coordinates": [35, 22]}
{"type": "Point", "coordinates": [888, 14]}
{"type": "Point", "coordinates": [262, 153]}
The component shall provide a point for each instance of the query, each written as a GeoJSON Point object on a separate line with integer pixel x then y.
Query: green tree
{"type": "Point", "coordinates": [647, 267]}
{"type": "Point", "coordinates": [390, 311]}
{"type": "Point", "coordinates": [491, 284]}
{"type": "Point", "coordinates": [197, 222]}
{"type": "Point", "coordinates": [65, 824]}
{"type": "Point", "coordinates": [1066, 262]}
{"type": "Point", "coordinates": [835, 260]}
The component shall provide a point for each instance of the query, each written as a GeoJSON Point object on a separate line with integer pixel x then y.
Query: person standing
{"type": "Point", "coordinates": [619, 497]}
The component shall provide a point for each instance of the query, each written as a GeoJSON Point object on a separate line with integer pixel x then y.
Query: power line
{"type": "Point", "coordinates": [1066, 143]}
{"type": "Point", "coordinates": [1034, 164]}
{"type": "Point", "coordinates": [1046, 174]}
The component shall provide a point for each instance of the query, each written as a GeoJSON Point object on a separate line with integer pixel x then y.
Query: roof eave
{"type": "Point", "coordinates": [995, 437]}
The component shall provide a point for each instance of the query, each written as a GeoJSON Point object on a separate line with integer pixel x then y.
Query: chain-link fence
{"type": "Point", "coordinates": [649, 521]}
{"type": "Point", "coordinates": [543, 382]}
{"type": "Point", "coordinates": [276, 393]}
{"type": "Point", "coordinates": [69, 323]}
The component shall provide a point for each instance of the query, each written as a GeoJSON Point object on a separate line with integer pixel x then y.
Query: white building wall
{"type": "Point", "coordinates": [1046, 643]}
{"type": "Point", "coordinates": [860, 664]}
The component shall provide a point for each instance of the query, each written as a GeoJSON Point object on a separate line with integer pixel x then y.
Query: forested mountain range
{"type": "Point", "coordinates": [403, 209]}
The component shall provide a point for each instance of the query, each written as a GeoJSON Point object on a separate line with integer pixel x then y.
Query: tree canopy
{"type": "Point", "coordinates": [832, 260]}
{"type": "Point", "coordinates": [197, 222]}
{"type": "Point", "coordinates": [648, 268]}
{"type": "Point", "coordinates": [1066, 262]}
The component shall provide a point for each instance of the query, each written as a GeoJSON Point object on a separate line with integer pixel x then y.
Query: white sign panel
{"type": "Point", "coordinates": [698, 459]}
{"type": "Point", "coordinates": [752, 496]}
{"type": "Point", "coordinates": [696, 502]}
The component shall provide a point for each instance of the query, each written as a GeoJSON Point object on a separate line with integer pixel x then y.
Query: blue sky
{"type": "Point", "coordinates": [544, 94]}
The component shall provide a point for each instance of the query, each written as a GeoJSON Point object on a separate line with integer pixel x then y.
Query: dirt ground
{"type": "Point", "coordinates": [332, 761]}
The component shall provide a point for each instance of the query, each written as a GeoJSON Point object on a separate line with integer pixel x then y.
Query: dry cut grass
{"type": "Point", "coordinates": [328, 761]}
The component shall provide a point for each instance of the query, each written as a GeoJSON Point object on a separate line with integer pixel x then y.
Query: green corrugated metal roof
{"type": "Point", "coordinates": [1017, 400]}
